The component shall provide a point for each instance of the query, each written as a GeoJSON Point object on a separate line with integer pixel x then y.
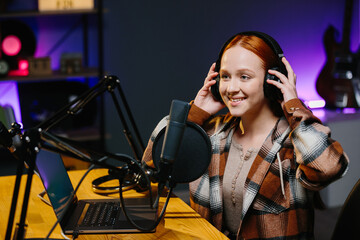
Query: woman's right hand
{"type": "Point", "coordinates": [204, 98]}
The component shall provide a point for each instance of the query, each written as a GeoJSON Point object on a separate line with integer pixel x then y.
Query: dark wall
{"type": "Point", "coordinates": [162, 50]}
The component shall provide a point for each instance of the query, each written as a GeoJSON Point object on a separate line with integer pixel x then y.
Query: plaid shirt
{"type": "Point", "coordinates": [310, 160]}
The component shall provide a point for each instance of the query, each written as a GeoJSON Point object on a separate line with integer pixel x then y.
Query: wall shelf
{"type": "Point", "coordinates": [95, 72]}
{"type": "Point", "coordinates": [18, 14]}
{"type": "Point", "coordinates": [56, 75]}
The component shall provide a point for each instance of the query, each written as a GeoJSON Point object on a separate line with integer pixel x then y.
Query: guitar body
{"type": "Point", "coordinates": [338, 82]}
{"type": "Point", "coordinates": [332, 85]}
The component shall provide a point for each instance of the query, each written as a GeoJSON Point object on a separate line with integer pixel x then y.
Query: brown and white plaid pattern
{"type": "Point", "coordinates": [310, 160]}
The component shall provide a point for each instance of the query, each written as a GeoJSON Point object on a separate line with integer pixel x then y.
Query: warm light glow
{"type": "Point", "coordinates": [11, 45]}
{"type": "Point", "coordinates": [315, 103]}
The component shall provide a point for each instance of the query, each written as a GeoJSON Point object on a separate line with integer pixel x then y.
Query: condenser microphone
{"type": "Point", "coordinates": [194, 154]}
{"type": "Point", "coordinates": [187, 160]}
{"type": "Point", "coordinates": [173, 136]}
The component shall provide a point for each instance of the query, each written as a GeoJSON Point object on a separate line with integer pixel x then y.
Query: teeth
{"type": "Point", "coordinates": [236, 100]}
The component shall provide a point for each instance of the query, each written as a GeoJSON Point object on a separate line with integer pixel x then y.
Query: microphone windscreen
{"type": "Point", "coordinates": [174, 131]}
{"type": "Point", "coordinates": [194, 154]}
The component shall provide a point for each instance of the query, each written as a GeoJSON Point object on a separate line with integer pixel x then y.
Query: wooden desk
{"type": "Point", "coordinates": [180, 221]}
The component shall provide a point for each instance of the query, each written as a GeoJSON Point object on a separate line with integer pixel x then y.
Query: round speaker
{"type": "Point", "coordinates": [17, 41]}
{"type": "Point", "coordinates": [4, 68]}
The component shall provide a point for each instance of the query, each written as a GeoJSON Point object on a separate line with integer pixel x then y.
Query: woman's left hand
{"type": "Point", "coordinates": [287, 85]}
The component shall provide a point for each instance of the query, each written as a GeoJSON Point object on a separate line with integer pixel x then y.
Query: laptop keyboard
{"type": "Point", "coordinates": [99, 214]}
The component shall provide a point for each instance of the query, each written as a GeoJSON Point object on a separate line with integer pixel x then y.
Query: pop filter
{"type": "Point", "coordinates": [194, 154]}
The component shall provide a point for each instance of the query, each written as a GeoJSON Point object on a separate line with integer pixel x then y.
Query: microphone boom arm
{"type": "Point", "coordinates": [107, 83]}
{"type": "Point", "coordinates": [31, 143]}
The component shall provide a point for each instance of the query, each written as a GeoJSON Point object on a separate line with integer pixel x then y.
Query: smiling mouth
{"type": "Point", "coordinates": [236, 99]}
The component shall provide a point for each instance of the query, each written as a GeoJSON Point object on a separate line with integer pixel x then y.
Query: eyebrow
{"type": "Point", "coordinates": [246, 70]}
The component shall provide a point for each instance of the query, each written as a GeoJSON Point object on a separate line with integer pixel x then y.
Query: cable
{"type": "Point", "coordinates": [157, 220]}
{"type": "Point", "coordinates": [41, 196]}
{"type": "Point", "coordinates": [92, 166]}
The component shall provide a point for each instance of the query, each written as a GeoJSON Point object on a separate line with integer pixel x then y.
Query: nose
{"type": "Point", "coordinates": [234, 86]}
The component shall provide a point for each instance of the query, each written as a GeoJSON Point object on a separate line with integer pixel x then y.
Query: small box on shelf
{"type": "Point", "coordinates": [71, 63]}
{"type": "Point", "coordinates": [53, 5]}
{"type": "Point", "coordinates": [39, 66]}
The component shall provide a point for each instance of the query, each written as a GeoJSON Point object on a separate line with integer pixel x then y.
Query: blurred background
{"type": "Point", "coordinates": [162, 50]}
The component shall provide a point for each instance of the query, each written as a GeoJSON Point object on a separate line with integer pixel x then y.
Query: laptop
{"type": "Point", "coordinates": [88, 216]}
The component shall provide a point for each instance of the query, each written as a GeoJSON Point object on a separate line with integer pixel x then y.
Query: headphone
{"type": "Point", "coordinates": [271, 92]}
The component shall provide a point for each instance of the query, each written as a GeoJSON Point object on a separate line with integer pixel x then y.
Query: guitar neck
{"type": "Point", "coordinates": [347, 24]}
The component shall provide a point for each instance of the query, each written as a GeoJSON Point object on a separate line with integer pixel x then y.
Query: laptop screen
{"type": "Point", "coordinates": [56, 181]}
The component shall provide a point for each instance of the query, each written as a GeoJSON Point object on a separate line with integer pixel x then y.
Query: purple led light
{"type": "Point", "coordinates": [349, 110]}
{"type": "Point", "coordinates": [9, 96]}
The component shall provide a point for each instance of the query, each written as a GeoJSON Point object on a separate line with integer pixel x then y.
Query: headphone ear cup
{"type": "Point", "coordinates": [270, 91]}
{"type": "Point", "coordinates": [215, 89]}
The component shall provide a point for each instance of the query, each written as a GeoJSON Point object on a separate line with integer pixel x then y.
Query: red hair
{"type": "Point", "coordinates": [258, 47]}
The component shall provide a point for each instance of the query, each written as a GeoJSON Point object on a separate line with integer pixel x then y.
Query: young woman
{"type": "Point", "coordinates": [271, 155]}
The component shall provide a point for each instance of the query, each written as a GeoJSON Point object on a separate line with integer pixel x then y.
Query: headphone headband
{"type": "Point", "coordinates": [270, 41]}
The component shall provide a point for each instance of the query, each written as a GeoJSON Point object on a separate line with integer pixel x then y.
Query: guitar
{"type": "Point", "coordinates": [338, 82]}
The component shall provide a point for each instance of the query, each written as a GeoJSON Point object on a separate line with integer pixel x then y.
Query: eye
{"type": "Point", "coordinates": [245, 77]}
{"type": "Point", "coordinates": [224, 77]}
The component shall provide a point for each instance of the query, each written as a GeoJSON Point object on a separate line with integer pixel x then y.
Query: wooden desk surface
{"type": "Point", "coordinates": [180, 221]}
